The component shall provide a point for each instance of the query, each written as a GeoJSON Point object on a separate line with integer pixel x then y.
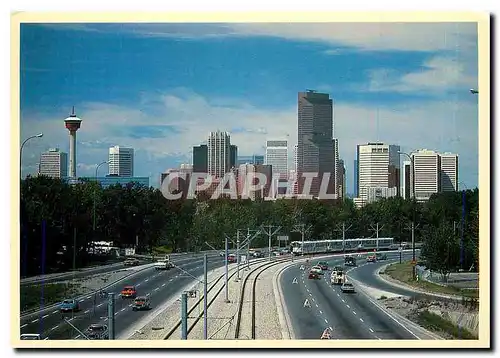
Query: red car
{"type": "Point", "coordinates": [313, 275]}
{"type": "Point", "coordinates": [129, 292]}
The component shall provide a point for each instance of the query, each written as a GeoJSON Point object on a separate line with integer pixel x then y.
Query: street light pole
{"type": "Point", "coordinates": [39, 135]}
{"type": "Point", "coordinates": [463, 228]}
{"type": "Point", "coordinates": [412, 164]}
{"type": "Point", "coordinates": [96, 169]}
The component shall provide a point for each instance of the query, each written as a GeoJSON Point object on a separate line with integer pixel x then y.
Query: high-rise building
{"type": "Point", "coordinates": [233, 155]}
{"type": "Point", "coordinates": [245, 178]}
{"type": "Point", "coordinates": [449, 172]}
{"type": "Point", "coordinates": [378, 166]}
{"type": "Point", "coordinates": [356, 175]}
{"type": "Point", "coordinates": [295, 158]}
{"type": "Point", "coordinates": [200, 159]}
{"type": "Point", "coordinates": [406, 186]}
{"type": "Point", "coordinates": [342, 192]}
{"type": "Point", "coordinates": [121, 161]}
{"type": "Point", "coordinates": [426, 172]}
{"type": "Point", "coordinates": [219, 156]}
{"type": "Point", "coordinates": [315, 144]}
{"type": "Point", "coordinates": [277, 158]}
{"type": "Point", "coordinates": [338, 181]}
{"type": "Point", "coordinates": [54, 163]}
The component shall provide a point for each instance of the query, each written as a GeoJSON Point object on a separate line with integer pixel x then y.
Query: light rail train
{"type": "Point", "coordinates": [348, 245]}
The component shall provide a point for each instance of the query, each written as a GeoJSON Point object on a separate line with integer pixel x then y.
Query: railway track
{"type": "Point", "coordinates": [209, 303]}
{"type": "Point", "coordinates": [254, 274]}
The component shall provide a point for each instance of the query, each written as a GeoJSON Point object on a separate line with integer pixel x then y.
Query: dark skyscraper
{"type": "Point", "coordinates": [200, 159]}
{"type": "Point", "coordinates": [233, 155]}
{"type": "Point", "coordinates": [315, 140]}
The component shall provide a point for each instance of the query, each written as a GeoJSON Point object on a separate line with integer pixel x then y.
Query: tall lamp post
{"type": "Point", "coordinates": [39, 135]}
{"type": "Point", "coordinates": [96, 169]}
{"type": "Point", "coordinates": [414, 198]}
{"type": "Point", "coordinates": [463, 227]}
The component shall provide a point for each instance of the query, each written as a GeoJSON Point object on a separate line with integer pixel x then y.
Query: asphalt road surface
{"type": "Point", "coordinates": [160, 285]}
{"type": "Point", "coordinates": [346, 315]}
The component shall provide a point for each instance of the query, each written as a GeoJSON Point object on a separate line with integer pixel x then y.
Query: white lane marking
{"type": "Point", "coordinates": [24, 325]}
{"type": "Point", "coordinates": [87, 311]}
{"type": "Point", "coordinates": [170, 280]}
{"type": "Point", "coordinates": [88, 297]}
{"type": "Point", "coordinates": [331, 329]}
{"type": "Point", "coordinates": [361, 319]}
{"type": "Point", "coordinates": [82, 300]}
{"type": "Point", "coordinates": [146, 280]}
{"type": "Point", "coordinates": [130, 305]}
{"type": "Point", "coordinates": [163, 285]}
{"type": "Point", "coordinates": [320, 312]}
{"type": "Point", "coordinates": [338, 295]}
{"type": "Point", "coordinates": [348, 306]}
{"type": "Point", "coordinates": [45, 316]}
{"type": "Point", "coordinates": [326, 321]}
{"type": "Point", "coordinates": [343, 301]}
{"type": "Point", "coordinates": [77, 337]}
{"type": "Point", "coordinates": [137, 285]}
{"type": "Point", "coordinates": [115, 313]}
{"type": "Point", "coordinates": [46, 338]}
{"type": "Point", "coordinates": [157, 288]}
{"type": "Point", "coordinates": [55, 312]}
{"type": "Point", "coordinates": [307, 289]}
{"type": "Point", "coordinates": [54, 327]}
{"type": "Point", "coordinates": [123, 309]}
{"type": "Point", "coordinates": [35, 320]}
{"type": "Point", "coordinates": [317, 305]}
{"type": "Point", "coordinates": [371, 330]}
{"type": "Point", "coordinates": [353, 312]}
{"type": "Point", "coordinates": [99, 305]}
{"type": "Point", "coordinates": [310, 294]}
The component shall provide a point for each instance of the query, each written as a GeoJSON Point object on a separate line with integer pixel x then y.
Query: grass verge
{"type": "Point", "coordinates": [36, 296]}
{"type": "Point", "coordinates": [437, 324]}
{"type": "Point", "coordinates": [162, 250]}
{"type": "Point", "coordinates": [404, 272]}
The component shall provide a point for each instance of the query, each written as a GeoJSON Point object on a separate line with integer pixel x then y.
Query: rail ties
{"type": "Point", "coordinates": [256, 273]}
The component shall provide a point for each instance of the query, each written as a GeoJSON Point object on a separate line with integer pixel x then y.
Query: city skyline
{"type": "Point", "coordinates": [419, 93]}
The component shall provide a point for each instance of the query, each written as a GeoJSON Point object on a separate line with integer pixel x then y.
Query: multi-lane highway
{"type": "Point", "coordinates": [346, 315]}
{"type": "Point", "coordinates": [159, 285]}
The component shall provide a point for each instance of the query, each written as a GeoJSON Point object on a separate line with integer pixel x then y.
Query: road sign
{"type": "Point", "coordinates": [301, 267]}
{"type": "Point", "coordinates": [326, 334]}
{"type": "Point", "coordinates": [306, 303]}
{"type": "Point", "coordinates": [282, 238]}
{"type": "Point", "coordinates": [295, 280]}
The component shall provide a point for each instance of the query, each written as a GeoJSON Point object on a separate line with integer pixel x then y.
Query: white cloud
{"type": "Point", "coordinates": [437, 74]}
{"type": "Point", "coordinates": [429, 36]}
{"type": "Point", "coordinates": [433, 124]}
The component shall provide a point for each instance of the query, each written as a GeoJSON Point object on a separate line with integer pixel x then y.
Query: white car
{"type": "Point", "coordinates": [347, 287]}
{"type": "Point", "coordinates": [317, 269]}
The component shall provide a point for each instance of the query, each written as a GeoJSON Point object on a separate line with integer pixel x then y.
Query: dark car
{"type": "Point", "coordinates": [313, 275]}
{"type": "Point", "coordinates": [97, 331]}
{"type": "Point", "coordinates": [131, 262]}
{"type": "Point", "coordinates": [323, 265]}
{"type": "Point", "coordinates": [141, 303]}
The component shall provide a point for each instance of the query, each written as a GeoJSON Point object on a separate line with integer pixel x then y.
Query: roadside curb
{"type": "Point", "coordinates": [283, 318]}
{"type": "Point", "coordinates": [401, 320]}
{"type": "Point", "coordinates": [33, 312]}
{"type": "Point", "coordinates": [402, 285]}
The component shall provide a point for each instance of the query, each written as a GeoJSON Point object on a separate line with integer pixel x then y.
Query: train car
{"type": "Point", "coordinates": [349, 245]}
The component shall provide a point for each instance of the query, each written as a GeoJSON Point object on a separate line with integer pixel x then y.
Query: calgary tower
{"type": "Point", "coordinates": [72, 124]}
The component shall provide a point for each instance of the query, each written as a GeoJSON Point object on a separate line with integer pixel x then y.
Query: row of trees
{"type": "Point", "coordinates": [124, 213]}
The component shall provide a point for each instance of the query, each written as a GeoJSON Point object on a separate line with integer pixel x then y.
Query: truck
{"type": "Point", "coordinates": [338, 276]}
{"type": "Point", "coordinates": [164, 264]}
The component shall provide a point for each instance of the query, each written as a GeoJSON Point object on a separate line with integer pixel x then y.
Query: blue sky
{"type": "Point", "coordinates": [161, 88]}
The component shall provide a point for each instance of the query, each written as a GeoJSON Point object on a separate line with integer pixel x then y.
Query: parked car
{"type": "Point", "coordinates": [69, 305]}
{"type": "Point", "coordinates": [141, 303]}
{"type": "Point", "coordinates": [97, 331]}
{"type": "Point", "coordinates": [128, 292]}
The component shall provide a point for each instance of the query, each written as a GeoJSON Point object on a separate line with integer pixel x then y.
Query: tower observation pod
{"type": "Point", "coordinates": [72, 124]}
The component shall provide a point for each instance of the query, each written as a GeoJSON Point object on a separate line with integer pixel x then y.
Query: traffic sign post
{"type": "Point", "coordinates": [400, 253]}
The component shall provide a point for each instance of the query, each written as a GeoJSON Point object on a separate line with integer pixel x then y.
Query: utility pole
{"type": "Point", "coordinates": [205, 298]}
{"type": "Point", "coordinates": [302, 229]}
{"type": "Point", "coordinates": [377, 229]}
{"type": "Point", "coordinates": [412, 227]}
{"type": "Point", "coordinates": [226, 271]}
{"type": "Point", "coordinates": [184, 315]}
{"type": "Point", "coordinates": [257, 232]}
{"type": "Point", "coordinates": [237, 255]}
{"type": "Point", "coordinates": [344, 230]}
{"type": "Point", "coordinates": [270, 234]}
{"type": "Point", "coordinates": [111, 315]}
